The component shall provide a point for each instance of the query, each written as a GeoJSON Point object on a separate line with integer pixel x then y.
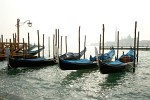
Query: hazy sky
{"type": "Point", "coordinates": [68, 15]}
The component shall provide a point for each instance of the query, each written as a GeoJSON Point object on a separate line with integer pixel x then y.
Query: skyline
{"type": "Point", "coordinates": [125, 41]}
{"type": "Point", "coordinates": [67, 16]}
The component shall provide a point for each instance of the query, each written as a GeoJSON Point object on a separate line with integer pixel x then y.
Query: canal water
{"type": "Point", "coordinates": [52, 83]}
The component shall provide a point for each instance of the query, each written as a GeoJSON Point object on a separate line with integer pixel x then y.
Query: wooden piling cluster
{"type": "Point", "coordinates": [13, 47]}
{"type": "Point", "coordinates": [16, 49]}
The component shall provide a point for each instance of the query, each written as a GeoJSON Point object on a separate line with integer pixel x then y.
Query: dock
{"type": "Point", "coordinates": [142, 48]}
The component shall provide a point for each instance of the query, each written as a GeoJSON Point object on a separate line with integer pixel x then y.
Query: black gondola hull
{"type": "Point", "coordinates": [106, 69]}
{"type": "Point", "coordinates": [76, 66]}
{"type": "Point", "coordinates": [15, 63]}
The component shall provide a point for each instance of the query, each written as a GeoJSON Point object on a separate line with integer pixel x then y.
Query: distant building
{"type": "Point", "coordinates": [145, 43]}
{"type": "Point", "coordinates": [129, 41]}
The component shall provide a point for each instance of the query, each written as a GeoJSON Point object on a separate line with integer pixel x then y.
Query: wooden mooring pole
{"type": "Point", "coordinates": [79, 42]}
{"type": "Point", "coordinates": [61, 46]}
{"type": "Point", "coordinates": [134, 46]}
{"type": "Point", "coordinates": [66, 43]}
{"type": "Point", "coordinates": [28, 42]}
{"type": "Point", "coordinates": [58, 38]}
{"type": "Point", "coordinates": [84, 44]}
{"type": "Point", "coordinates": [117, 44]}
{"type": "Point", "coordinates": [53, 45]}
{"type": "Point", "coordinates": [43, 46]}
{"type": "Point", "coordinates": [38, 43]}
{"type": "Point", "coordinates": [18, 32]}
{"type": "Point", "coordinates": [23, 48]}
{"type": "Point", "coordinates": [138, 47]}
{"type": "Point", "coordinates": [103, 43]}
{"type": "Point", "coordinates": [100, 45]}
{"type": "Point", "coordinates": [49, 47]}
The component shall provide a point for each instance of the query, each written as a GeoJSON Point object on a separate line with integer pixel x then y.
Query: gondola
{"type": "Point", "coordinates": [76, 64]}
{"type": "Point", "coordinates": [73, 56]}
{"type": "Point", "coordinates": [107, 56]}
{"type": "Point", "coordinates": [79, 64]}
{"type": "Point", "coordinates": [34, 52]}
{"type": "Point", "coordinates": [124, 63]}
{"type": "Point", "coordinates": [29, 62]}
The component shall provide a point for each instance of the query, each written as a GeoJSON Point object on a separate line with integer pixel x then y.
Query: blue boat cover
{"type": "Point", "coordinates": [77, 61]}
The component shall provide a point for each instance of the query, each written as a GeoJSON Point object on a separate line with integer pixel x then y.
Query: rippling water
{"type": "Point", "coordinates": [51, 83]}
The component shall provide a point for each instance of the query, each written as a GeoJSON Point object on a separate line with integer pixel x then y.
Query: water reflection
{"type": "Point", "coordinates": [7, 96]}
{"type": "Point", "coordinates": [112, 80]}
{"type": "Point", "coordinates": [16, 71]}
{"type": "Point", "coordinates": [75, 75]}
